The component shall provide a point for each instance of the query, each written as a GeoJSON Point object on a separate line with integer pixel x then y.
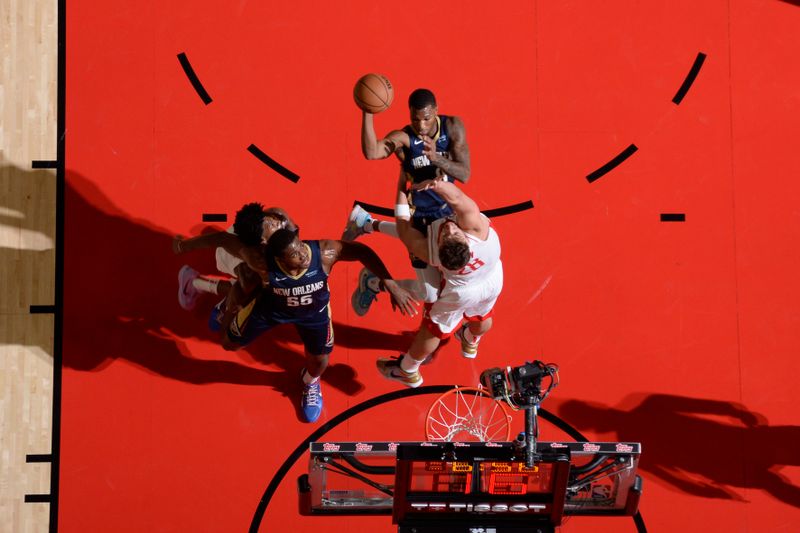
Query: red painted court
{"type": "Point", "coordinates": [679, 334]}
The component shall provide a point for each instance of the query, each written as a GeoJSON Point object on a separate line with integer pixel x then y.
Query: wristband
{"type": "Point", "coordinates": [402, 211]}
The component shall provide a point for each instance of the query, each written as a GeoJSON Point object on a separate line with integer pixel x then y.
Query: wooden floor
{"type": "Point", "coordinates": [28, 81]}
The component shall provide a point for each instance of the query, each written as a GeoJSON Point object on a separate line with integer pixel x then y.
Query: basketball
{"type": "Point", "coordinates": [373, 93]}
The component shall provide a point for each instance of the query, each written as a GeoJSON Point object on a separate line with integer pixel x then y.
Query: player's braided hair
{"type": "Point", "coordinates": [454, 255]}
{"type": "Point", "coordinates": [249, 224]}
{"type": "Point", "coordinates": [421, 98]}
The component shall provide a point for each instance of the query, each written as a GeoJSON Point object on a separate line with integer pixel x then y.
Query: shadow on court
{"type": "Point", "coordinates": [702, 447]}
{"type": "Point", "coordinates": [120, 304]}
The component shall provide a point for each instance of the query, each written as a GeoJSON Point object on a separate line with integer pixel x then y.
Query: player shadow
{"type": "Point", "coordinates": [27, 246]}
{"type": "Point", "coordinates": [120, 304]}
{"type": "Point", "coordinates": [702, 447]}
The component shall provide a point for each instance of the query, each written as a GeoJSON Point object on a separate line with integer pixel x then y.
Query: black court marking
{"type": "Point", "coordinates": [375, 209]}
{"type": "Point", "coordinates": [38, 498]}
{"type": "Point", "coordinates": [673, 217]}
{"type": "Point", "coordinates": [39, 458]}
{"type": "Point", "coordinates": [611, 165]}
{"type": "Point", "coordinates": [316, 435]}
{"type": "Point", "coordinates": [195, 81]}
{"type": "Point", "coordinates": [215, 217]}
{"type": "Point", "coordinates": [58, 319]}
{"type": "Point", "coordinates": [687, 83]}
{"type": "Point", "coordinates": [378, 400]}
{"type": "Point", "coordinates": [48, 163]}
{"type": "Point", "coordinates": [509, 209]}
{"type": "Point", "coordinates": [42, 309]}
{"type": "Point", "coordinates": [497, 212]}
{"type": "Point", "coordinates": [271, 163]}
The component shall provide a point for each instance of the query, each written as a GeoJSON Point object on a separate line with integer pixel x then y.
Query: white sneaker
{"type": "Point", "coordinates": [468, 349]}
{"type": "Point", "coordinates": [356, 224]}
{"type": "Point", "coordinates": [187, 293]}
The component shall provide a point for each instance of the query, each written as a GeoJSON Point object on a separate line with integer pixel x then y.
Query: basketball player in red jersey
{"type": "Point", "coordinates": [466, 250]}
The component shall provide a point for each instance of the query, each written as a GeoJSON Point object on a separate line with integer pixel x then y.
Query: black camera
{"type": "Point", "coordinates": [521, 384]}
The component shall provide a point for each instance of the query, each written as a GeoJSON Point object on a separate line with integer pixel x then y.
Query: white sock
{"type": "Point", "coordinates": [374, 284]}
{"type": "Point", "coordinates": [409, 364]}
{"type": "Point", "coordinates": [388, 228]}
{"type": "Point", "coordinates": [470, 337]}
{"type": "Point", "coordinates": [307, 379]}
{"type": "Point", "coordinates": [206, 285]}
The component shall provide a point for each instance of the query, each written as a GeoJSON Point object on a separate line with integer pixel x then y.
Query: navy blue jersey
{"type": "Point", "coordinates": [418, 168]}
{"type": "Point", "coordinates": [301, 299]}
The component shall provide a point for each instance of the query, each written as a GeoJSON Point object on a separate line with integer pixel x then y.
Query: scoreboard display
{"type": "Point", "coordinates": [488, 477]}
{"type": "Point", "coordinates": [477, 483]}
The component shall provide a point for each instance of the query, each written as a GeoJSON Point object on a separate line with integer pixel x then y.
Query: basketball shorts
{"type": "Point", "coordinates": [473, 303]}
{"type": "Point", "coordinates": [251, 322]}
{"type": "Point", "coordinates": [226, 262]}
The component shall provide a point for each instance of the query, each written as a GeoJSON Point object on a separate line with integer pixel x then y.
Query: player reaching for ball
{"type": "Point", "coordinates": [430, 146]}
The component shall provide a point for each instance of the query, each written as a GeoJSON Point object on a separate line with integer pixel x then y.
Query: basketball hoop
{"type": "Point", "coordinates": [467, 414]}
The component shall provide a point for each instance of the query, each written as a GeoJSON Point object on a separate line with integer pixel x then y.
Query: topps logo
{"type": "Point", "coordinates": [625, 448]}
{"type": "Point", "coordinates": [493, 445]}
{"type": "Point", "coordinates": [393, 446]}
{"type": "Point", "coordinates": [589, 447]}
{"type": "Point", "coordinates": [557, 445]}
{"type": "Point", "coordinates": [329, 447]}
{"type": "Point", "coordinates": [361, 447]}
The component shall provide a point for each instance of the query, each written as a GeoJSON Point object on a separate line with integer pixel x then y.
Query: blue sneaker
{"type": "Point", "coordinates": [366, 292]}
{"type": "Point", "coordinates": [311, 401]}
{"type": "Point", "coordinates": [359, 223]}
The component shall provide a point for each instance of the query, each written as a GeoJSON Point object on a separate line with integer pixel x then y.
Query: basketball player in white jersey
{"type": "Point", "coordinates": [466, 250]}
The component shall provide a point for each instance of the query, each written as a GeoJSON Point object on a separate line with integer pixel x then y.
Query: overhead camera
{"type": "Point", "coordinates": [521, 385]}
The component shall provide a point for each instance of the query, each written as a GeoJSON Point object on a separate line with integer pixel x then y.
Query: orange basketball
{"type": "Point", "coordinates": [373, 93]}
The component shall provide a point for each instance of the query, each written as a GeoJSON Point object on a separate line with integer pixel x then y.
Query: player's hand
{"type": "Point", "coordinates": [254, 257]}
{"type": "Point", "coordinates": [177, 244]}
{"type": "Point", "coordinates": [429, 149]}
{"type": "Point", "coordinates": [401, 298]}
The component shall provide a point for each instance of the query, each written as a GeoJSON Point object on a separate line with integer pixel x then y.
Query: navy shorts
{"type": "Point", "coordinates": [251, 322]}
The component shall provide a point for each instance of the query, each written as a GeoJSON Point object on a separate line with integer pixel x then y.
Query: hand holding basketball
{"type": "Point", "coordinates": [373, 93]}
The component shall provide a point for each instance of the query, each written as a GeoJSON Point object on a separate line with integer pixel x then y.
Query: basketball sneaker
{"type": "Point", "coordinates": [357, 224]}
{"type": "Point", "coordinates": [187, 293]}
{"type": "Point", "coordinates": [311, 400]}
{"type": "Point", "coordinates": [366, 292]}
{"type": "Point", "coordinates": [468, 349]}
{"type": "Point", "coordinates": [391, 369]}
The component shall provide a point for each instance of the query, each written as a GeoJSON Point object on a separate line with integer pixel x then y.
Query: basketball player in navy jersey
{"type": "Point", "coordinates": [430, 146]}
{"type": "Point", "coordinates": [297, 293]}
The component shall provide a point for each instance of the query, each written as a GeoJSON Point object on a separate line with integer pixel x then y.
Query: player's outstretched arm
{"type": "Point", "coordinates": [333, 251]}
{"type": "Point", "coordinates": [374, 148]}
{"type": "Point", "coordinates": [467, 211]}
{"type": "Point", "coordinates": [415, 241]}
{"type": "Point", "coordinates": [457, 165]}
{"type": "Point", "coordinates": [216, 239]}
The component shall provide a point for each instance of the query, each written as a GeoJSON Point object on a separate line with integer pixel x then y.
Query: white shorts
{"type": "Point", "coordinates": [226, 262]}
{"type": "Point", "coordinates": [473, 302]}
